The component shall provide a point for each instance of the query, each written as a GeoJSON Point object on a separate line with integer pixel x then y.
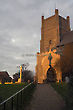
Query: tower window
{"type": "Point", "coordinates": [50, 42]}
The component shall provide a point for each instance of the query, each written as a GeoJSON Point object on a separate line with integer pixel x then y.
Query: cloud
{"type": "Point", "coordinates": [20, 29]}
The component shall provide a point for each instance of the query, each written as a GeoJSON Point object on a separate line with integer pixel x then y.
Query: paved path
{"type": "Point", "coordinates": [46, 98]}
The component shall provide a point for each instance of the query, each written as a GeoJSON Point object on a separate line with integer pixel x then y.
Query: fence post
{"type": "Point", "coordinates": [4, 105]}
{"type": "Point", "coordinates": [17, 101]}
{"type": "Point", "coordinates": [12, 103]}
{"type": "Point", "coordinates": [21, 98]}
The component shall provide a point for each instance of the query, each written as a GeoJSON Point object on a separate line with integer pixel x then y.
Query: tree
{"type": "Point", "coordinates": [26, 75]}
{"type": "Point", "coordinates": [15, 77]}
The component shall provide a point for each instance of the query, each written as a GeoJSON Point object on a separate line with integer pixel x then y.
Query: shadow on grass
{"type": "Point", "coordinates": [66, 92]}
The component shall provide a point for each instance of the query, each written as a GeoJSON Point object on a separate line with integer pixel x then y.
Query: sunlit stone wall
{"type": "Point", "coordinates": [52, 30]}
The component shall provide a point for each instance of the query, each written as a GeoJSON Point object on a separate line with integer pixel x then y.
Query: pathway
{"type": "Point", "coordinates": [46, 98]}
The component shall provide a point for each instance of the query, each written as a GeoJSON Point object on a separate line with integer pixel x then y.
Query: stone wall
{"type": "Point", "coordinates": [67, 60]}
{"type": "Point", "coordinates": [52, 30]}
{"type": "Point", "coordinates": [64, 26]}
{"type": "Point", "coordinates": [49, 32]}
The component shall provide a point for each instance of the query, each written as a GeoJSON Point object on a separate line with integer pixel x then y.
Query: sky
{"type": "Point", "coordinates": [20, 29]}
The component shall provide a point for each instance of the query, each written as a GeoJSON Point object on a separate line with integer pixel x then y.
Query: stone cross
{"type": "Point", "coordinates": [50, 58]}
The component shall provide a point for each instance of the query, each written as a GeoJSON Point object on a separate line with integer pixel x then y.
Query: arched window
{"type": "Point", "coordinates": [50, 41]}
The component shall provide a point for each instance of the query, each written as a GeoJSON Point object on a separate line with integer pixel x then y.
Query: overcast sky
{"type": "Point", "coordinates": [20, 29]}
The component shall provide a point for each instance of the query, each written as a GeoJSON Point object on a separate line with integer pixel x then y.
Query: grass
{"type": "Point", "coordinates": [66, 92]}
{"type": "Point", "coordinates": [28, 95]}
{"type": "Point", "coordinates": [8, 90]}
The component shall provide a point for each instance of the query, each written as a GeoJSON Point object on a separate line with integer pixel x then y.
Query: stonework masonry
{"type": "Point", "coordinates": [52, 31]}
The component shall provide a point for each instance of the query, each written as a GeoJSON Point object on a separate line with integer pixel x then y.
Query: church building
{"type": "Point", "coordinates": [54, 61]}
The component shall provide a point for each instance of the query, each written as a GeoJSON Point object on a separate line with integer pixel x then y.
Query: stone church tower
{"type": "Point", "coordinates": [52, 31]}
